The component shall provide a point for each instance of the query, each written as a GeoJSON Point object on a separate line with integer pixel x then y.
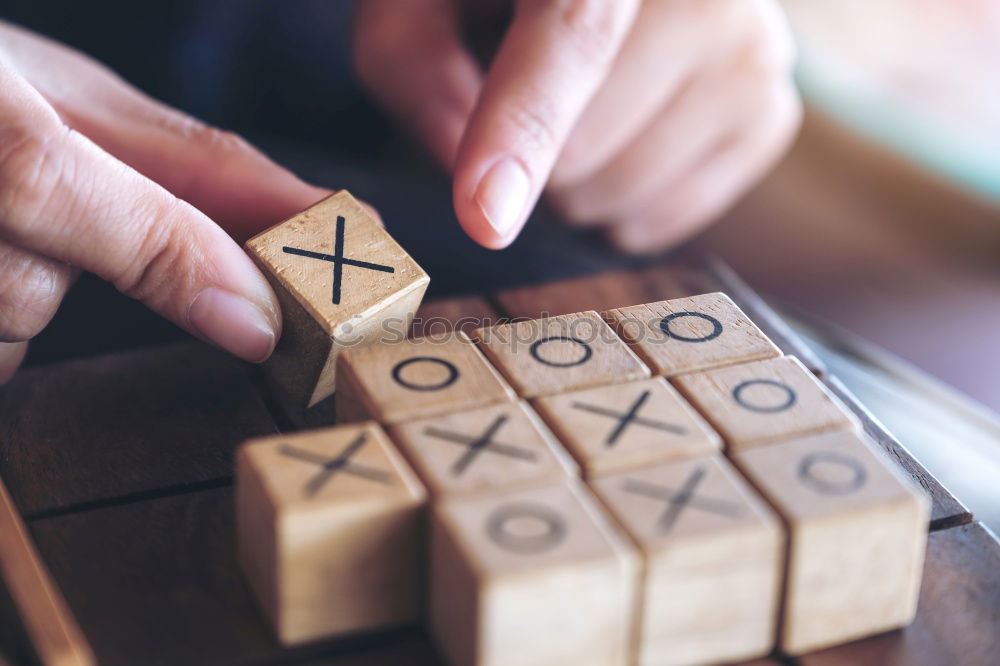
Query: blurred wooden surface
{"type": "Point", "coordinates": [852, 234]}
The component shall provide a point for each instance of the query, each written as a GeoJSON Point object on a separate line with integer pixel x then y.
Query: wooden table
{"type": "Point", "coordinates": [121, 466]}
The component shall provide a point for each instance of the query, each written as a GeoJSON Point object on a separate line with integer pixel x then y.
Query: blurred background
{"type": "Point", "coordinates": [879, 234]}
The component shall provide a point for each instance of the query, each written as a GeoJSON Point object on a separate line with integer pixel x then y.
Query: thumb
{"type": "Point", "coordinates": [216, 171]}
{"type": "Point", "coordinates": [63, 197]}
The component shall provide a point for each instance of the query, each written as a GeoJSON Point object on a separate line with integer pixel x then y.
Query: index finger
{"type": "Point", "coordinates": [552, 60]}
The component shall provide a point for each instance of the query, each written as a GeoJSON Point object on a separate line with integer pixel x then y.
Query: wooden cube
{"type": "Point", "coordinates": [691, 334]}
{"type": "Point", "coordinates": [533, 577]}
{"type": "Point", "coordinates": [765, 401]}
{"type": "Point", "coordinates": [858, 531]}
{"type": "Point", "coordinates": [556, 354]}
{"type": "Point", "coordinates": [329, 524]}
{"type": "Point", "coordinates": [341, 281]}
{"type": "Point", "coordinates": [416, 378]}
{"type": "Point", "coordinates": [496, 447]}
{"type": "Point", "coordinates": [714, 556]}
{"type": "Point", "coordinates": [622, 426]}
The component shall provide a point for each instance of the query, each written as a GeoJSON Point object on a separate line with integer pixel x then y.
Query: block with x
{"type": "Point", "coordinates": [714, 553]}
{"type": "Point", "coordinates": [329, 467]}
{"type": "Point", "coordinates": [614, 428]}
{"type": "Point", "coordinates": [341, 281]}
{"type": "Point", "coordinates": [313, 507]}
{"type": "Point", "coordinates": [467, 452]}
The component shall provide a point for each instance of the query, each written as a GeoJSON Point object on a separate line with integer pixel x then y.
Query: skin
{"type": "Point", "coordinates": [645, 118]}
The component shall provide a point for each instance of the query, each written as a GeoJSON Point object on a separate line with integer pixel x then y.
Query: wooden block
{"type": "Point", "coordinates": [556, 354]}
{"type": "Point", "coordinates": [946, 509]}
{"type": "Point", "coordinates": [614, 428]}
{"type": "Point", "coordinates": [533, 577]}
{"type": "Point", "coordinates": [857, 535]}
{"type": "Point", "coordinates": [765, 401]}
{"type": "Point", "coordinates": [714, 556]}
{"type": "Point", "coordinates": [135, 596]}
{"type": "Point", "coordinates": [497, 447]}
{"type": "Point", "coordinates": [408, 379]}
{"type": "Point", "coordinates": [958, 613]}
{"type": "Point", "coordinates": [313, 511]}
{"type": "Point", "coordinates": [691, 334]}
{"type": "Point", "coordinates": [342, 281]}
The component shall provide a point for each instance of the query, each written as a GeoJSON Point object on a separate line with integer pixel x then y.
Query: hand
{"type": "Point", "coordinates": [96, 176]}
{"type": "Point", "coordinates": [647, 118]}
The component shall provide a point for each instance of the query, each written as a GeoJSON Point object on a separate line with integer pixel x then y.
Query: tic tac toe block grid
{"type": "Point", "coordinates": [416, 378]}
{"type": "Point", "coordinates": [691, 334]}
{"type": "Point", "coordinates": [537, 576]}
{"type": "Point", "coordinates": [618, 377]}
{"type": "Point", "coordinates": [492, 448]}
{"type": "Point", "coordinates": [622, 426]}
{"type": "Point", "coordinates": [765, 401]}
{"type": "Point", "coordinates": [713, 553]}
{"type": "Point", "coordinates": [557, 354]}
{"type": "Point", "coordinates": [857, 534]}
{"type": "Point", "coordinates": [313, 510]}
{"type": "Point", "coordinates": [341, 281]}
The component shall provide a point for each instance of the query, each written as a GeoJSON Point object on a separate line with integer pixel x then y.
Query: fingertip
{"type": "Point", "coordinates": [233, 323]}
{"type": "Point", "coordinates": [493, 208]}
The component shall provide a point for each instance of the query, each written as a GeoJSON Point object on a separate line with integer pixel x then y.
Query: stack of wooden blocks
{"type": "Point", "coordinates": [654, 484]}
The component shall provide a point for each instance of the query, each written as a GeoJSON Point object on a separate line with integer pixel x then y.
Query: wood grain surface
{"type": "Point", "coordinates": [55, 637]}
{"type": "Point", "coordinates": [122, 465]}
{"type": "Point", "coordinates": [132, 424]}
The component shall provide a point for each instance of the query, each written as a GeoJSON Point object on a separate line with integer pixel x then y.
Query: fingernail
{"type": "Point", "coordinates": [503, 194]}
{"type": "Point", "coordinates": [233, 323]}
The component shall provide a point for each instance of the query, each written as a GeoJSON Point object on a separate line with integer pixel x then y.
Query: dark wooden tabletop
{"type": "Point", "coordinates": [121, 466]}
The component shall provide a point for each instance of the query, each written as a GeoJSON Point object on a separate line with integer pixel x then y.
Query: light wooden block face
{"type": "Point", "coordinates": [858, 532]}
{"type": "Point", "coordinates": [416, 378]}
{"type": "Point", "coordinates": [529, 578]}
{"type": "Point", "coordinates": [328, 526]}
{"type": "Point", "coordinates": [556, 354]}
{"type": "Point", "coordinates": [622, 426]}
{"type": "Point", "coordinates": [765, 401]}
{"type": "Point", "coordinates": [497, 447]}
{"type": "Point", "coordinates": [691, 334]}
{"type": "Point", "coordinates": [714, 556]}
{"type": "Point", "coordinates": [341, 281]}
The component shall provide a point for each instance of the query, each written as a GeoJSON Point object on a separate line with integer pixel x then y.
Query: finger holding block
{"type": "Point", "coordinates": [556, 354]}
{"type": "Point", "coordinates": [529, 578]}
{"type": "Point", "coordinates": [492, 448]}
{"type": "Point", "coordinates": [416, 378]}
{"type": "Point", "coordinates": [622, 426]}
{"type": "Point", "coordinates": [691, 334]}
{"type": "Point", "coordinates": [328, 527]}
{"type": "Point", "coordinates": [714, 556]}
{"type": "Point", "coordinates": [857, 536]}
{"type": "Point", "coordinates": [341, 281]}
{"type": "Point", "coordinates": [765, 401]}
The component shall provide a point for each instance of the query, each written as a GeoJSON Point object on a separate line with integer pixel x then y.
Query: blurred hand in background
{"type": "Point", "coordinates": [646, 118]}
